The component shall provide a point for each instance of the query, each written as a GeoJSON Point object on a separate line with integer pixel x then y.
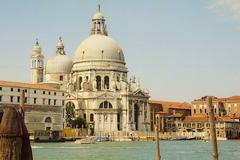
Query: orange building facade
{"type": "Point", "coordinates": [191, 120]}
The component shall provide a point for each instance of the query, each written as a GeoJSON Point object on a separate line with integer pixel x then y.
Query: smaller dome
{"type": "Point", "coordinates": [59, 64]}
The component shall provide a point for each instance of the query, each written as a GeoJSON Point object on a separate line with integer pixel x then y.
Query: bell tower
{"type": "Point", "coordinates": [37, 63]}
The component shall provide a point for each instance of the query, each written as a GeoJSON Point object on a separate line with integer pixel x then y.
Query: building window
{"type": "Point", "coordinates": [61, 78]}
{"type": "Point", "coordinates": [0, 98]}
{"type": "Point", "coordinates": [43, 92]}
{"type": "Point", "coordinates": [35, 100]}
{"type": "Point", "coordinates": [105, 104]}
{"type": "Point", "coordinates": [200, 109]}
{"type": "Point", "coordinates": [106, 82]}
{"type": "Point", "coordinates": [44, 101]}
{"type": "Point", "coordinates": [35, 91]}
{"type": "Point", "coordinates": [63, 102]}
{"type": "Point", "coordinates": [55, 93]}
{"type": "Point", "coordinates": [49, 93]}
{"type": "Point", "coordinates": [91, 117]}
{"type": "Point", "coordinates": [25, 101]}
{"type": "Point", "coordinates": [62, 94]}
{"type": "Point", "coordinates": [49, 102]}
{"type": "Point", "coordinates": [80, 83]}
{"type": "Point", "coordinates": [18, 90]}
{"type": "Point", "coordinates": [18, 99]}
{"type": "Point", "coordinates": [55, 102]}
{"type": "Point", "coordinates": [0, 88]}
{"type": "Point", "coordinates": [25, 90]}
{"type": "Point", "coordinates": [98, 81]}
{"type": "Point", "coordinates": [48, 120]}
{"type": "Point", "coordinates": [11, 98]}
{"type": "Point", "coordinates": [11, 89]}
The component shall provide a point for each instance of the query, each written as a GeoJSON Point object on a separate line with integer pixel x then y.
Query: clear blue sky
{"type": "Point", "coordinates": [179, 49]}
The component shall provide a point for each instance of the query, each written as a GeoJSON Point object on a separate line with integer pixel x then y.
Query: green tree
{"type": "Point", "coordinates": [78, 122]}
{"type": "Point", "coordinates": [70, 115]}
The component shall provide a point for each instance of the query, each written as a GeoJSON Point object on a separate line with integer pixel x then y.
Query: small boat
{"type": "Point", "coordinates": [183, 139]}
{"type": "Point", "coordinates": [48, 136]}
{"type": "Point", "coordinates": [102, 139]}
{"type": "Point", "coordinates": [37, 140]}
{"type": "Point", "coordinates": [88, 140]}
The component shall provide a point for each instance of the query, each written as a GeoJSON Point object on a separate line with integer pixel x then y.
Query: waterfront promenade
{"type": "Point", "coordinates": [170, 150]}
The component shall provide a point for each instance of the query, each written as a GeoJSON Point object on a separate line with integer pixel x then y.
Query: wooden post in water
{"type": "Point", "coordinates": [10, 135]}
{"type": "Point", "coordinates": [14, 137]}
{"type": "Point", "coordinates": [157, 149]}
{"type": "Point", "coordinates": [212, 129]}
{"type": "Point", "coordinates": [22, 100]}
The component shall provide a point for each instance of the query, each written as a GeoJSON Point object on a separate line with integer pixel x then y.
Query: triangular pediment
{"type": "Point", "coordinates": [139, 93]}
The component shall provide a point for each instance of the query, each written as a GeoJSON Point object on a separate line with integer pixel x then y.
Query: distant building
{"type": "Point", "coordinates": [229, 106]}
{"type": "Point", "coordinates": [198, 126]}
{"type": "Point", "coordinates": [191, 120]}
{"type": "Point", "coordinates": [44, 105]}
{"type": "Point", "coordinates": [168, 114]}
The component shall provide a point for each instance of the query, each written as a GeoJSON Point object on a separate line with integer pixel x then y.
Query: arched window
{"type": "Point", "coordinates": [98, 81]}
{"type": "Point", "coordinates": [105, 104]}
{"type": "Point", "coordinates": [106, 82]}
{"type": "Point", "coordinates": [91, 117]}
{"type": "Point", "coordinates": [48, 120]}
{"type": "Point", "coordinates": [80, 83]}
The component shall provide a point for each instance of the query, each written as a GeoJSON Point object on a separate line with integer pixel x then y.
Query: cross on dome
{"type": "Point", "coordinates": [99, 8]}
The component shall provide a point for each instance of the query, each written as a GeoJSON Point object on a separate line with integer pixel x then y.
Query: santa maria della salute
{"type": "Point", "coordinates": [95, 82]}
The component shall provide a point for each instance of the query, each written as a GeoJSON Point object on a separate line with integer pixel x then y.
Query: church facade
{"type": "Point", "coordinates": [96, 82]}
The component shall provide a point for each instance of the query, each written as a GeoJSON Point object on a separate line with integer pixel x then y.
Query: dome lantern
{"type": "Point", "coordinates": [98, 23]}
{"type": "Point", "coordinates": [37, 50]}
{"type": "Point", "coordinates": [60, 47]}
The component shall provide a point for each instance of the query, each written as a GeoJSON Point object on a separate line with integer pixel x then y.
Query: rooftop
{"type": "Point", "coordinates": [174, 105]}
{"type": "Point", "coordinates": [27, 85]}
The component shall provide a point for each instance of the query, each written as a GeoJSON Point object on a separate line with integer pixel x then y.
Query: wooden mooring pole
{"type": "Point", "coordinates": [212, 129]}
{"type": "Point", "coordinates": [22, 101]}
{"type": "Point", "coordinates": [157, 149]}
{"type": "Point", "coordinates": [14, 137]}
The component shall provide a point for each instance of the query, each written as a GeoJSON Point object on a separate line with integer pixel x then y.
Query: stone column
{"type": "Point", "coordinates": [143, 120]}
{"type": "Point", "coordinates": [133, 118]}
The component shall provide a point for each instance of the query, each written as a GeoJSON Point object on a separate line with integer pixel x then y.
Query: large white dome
{"type": "Point", "coordinates": [99, 47]}
{"type": "Point", "coordinates": [59, 64]}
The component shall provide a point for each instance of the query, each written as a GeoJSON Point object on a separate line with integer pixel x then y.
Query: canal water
{"type": "Point", "coordinates": [170, 150]}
